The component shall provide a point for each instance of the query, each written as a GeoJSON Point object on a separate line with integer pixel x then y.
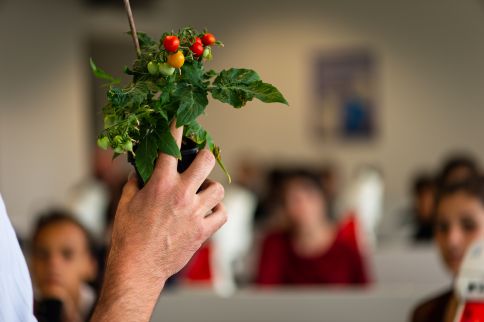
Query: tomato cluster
{"type": "Point", "coordinates": [178, 50]}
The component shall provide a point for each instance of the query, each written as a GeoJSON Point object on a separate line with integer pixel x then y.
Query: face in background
{"type": "Point", "coordinates": [459, 222]}
{"type": "Point", "coordinates": [303, 202]}
{"type": "Point", "coordinates": [61, 259]}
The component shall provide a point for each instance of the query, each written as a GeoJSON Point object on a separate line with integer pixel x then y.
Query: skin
{"type": "Point", "coordinates": [156, 231]}
{"type": "Point", "coordinates": [60, 263]}
{"type": "Point", "coordinates": [460, 222]}
{"type": "Point", "coordinates": [304, 206]}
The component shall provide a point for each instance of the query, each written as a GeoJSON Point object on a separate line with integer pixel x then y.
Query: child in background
{"type": "Point", "coordinates": [62, 263]}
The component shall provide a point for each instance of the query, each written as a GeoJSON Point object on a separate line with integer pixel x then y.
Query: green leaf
{"type": "Point", "coordinates": [193, 101]}
{"type": "Point", "coordinates": [101, 74]}
{"type": "Point", "coordinates": [267, 93]}
{"type": "Point", "coordinates": [196, 133]}
{"type": "Point", "coordinates": [146, 153]}
{"type": "Point", "coordinates": [144, 40]}
{"type": "Point", "coordinates": [117, 97]}
{"type": "Point", "coordinates": [238, 86]}
{"type": "Point", "coordinates": [192, 73]}
{"type": "Point", "coordinates": [166, 143]}
{"type": "Point", "coordinates": [217, 154]}
{"type": "Point", "coordinates": [137, 93]}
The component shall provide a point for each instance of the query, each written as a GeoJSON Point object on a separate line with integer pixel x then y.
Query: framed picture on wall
{"type": "Point", "coordinates": [345, 95]}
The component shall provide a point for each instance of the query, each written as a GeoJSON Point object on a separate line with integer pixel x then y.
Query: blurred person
{"type": "Point", "coordinates": [93, 201]}
{"type": "Point", "coordinates": [156, 231]}
{"type": "Point", "coordinates": [459, 221]}
{"type": "Point", "coordinates": [309, 250]}
{"type": "Point", "coordinates": [328, 175]}
{"type": "Point", "coordinates": [423, 204]}
{"type": "Point", "coordinates": [62, 262]}
{"type": "Point", "coordinates": [458, 168]}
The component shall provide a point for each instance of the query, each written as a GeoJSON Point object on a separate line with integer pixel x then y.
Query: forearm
{"type": "Point", "coordinates": [129, 292]}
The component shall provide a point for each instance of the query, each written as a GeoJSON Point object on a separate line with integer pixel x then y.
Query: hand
{"type": "Point", "coordinates": [70, 311]}
{"type": "Point", "coordinates": [156, 231]}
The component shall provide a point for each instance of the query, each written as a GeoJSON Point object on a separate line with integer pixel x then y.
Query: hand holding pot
{"type": "Point", "coordinates": [156, 231]}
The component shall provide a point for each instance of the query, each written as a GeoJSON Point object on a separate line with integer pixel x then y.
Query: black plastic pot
{"type": "Point", "coordinates": [189, 151]}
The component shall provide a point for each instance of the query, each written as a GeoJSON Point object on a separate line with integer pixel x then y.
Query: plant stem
{"type": "Point", "coordinates": [132, 27]}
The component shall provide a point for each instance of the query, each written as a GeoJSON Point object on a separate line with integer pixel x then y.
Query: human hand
{"type": "Point", "coordinates": [157, 230]}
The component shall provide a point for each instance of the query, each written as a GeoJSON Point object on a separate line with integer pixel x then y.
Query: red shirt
{"type": "Point", "coordinates": [280, 265]}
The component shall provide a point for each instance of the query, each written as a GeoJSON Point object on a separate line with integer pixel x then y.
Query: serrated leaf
{"type": "Point", "coordinates": [238, 86]}
{"type": "Point", "coordinates": [101, 74]}
{"type": "Point", "coordinates": [193, 101]}
{"type": "Point", "coordinates": [267, 93]}
{"type": "Point", "coordinates": [192, 73]}
{"type": "Point", "coordinates": [146, 153]}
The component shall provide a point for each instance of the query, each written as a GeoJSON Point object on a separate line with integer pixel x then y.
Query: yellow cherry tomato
{"type": "Point", "coordinates": [176, 60]}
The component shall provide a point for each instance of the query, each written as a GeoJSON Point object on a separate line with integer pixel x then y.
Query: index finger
{"type": "Point", "coordinates": [166, 161]}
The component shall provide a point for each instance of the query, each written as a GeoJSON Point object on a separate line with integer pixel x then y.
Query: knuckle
{"type": "Point", "coordinates": [207, 157]}
{"type": "Point", "coordinates": [218, 190]}
{"type": "Point", "coordinates": [225, 217]}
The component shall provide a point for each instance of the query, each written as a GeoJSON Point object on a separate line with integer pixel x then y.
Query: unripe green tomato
{"type": "Point", "coordinates": [166, 69]}
{"type": "Point", "coordinates": [153, 68]}
{"type": "Point", "coordinates": [103, 142]}
{"type": "Point", "coordinates": [207, 52]}
{"type": "Point", "coordinates": [118, 139]}
{"type": "Point", "coordinates": [128, 145]}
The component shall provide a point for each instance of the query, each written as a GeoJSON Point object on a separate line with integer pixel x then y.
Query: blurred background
{"type": "Point", "coordinates": [383, 94]}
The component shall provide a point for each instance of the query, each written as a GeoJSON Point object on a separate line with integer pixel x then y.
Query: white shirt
{"type": "Point", "coordinates": [16, 295]}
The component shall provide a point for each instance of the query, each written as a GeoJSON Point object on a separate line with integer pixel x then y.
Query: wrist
{"type": "Point", "coordinates": [128, 284]}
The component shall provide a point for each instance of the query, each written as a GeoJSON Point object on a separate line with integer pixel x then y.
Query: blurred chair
{"type": "Point", "coordinates": [217, 260]}
{"type": "Point", "coordinates": [365, 200]}
{"type": "Point", "coordinates": [409, 266]}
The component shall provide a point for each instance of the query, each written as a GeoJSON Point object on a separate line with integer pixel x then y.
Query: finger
{"type": "Point", "coordinates": [211, 196]}
{"type": "Point", "coordinates": [130, 189]}
{"type": "Point", "coordinates": [216, 220]}
{"type": "Point", "coordinates": [166, 161]}
{"type": "Point", "coordinates": [199, 170]}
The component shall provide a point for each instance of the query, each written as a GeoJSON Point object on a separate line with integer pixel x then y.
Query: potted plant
{"type": "Point", "coordinates": [170, 84]}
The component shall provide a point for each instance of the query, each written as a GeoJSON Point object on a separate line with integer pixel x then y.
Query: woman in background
{"type": "Point", "coordinates": [459, 221]}
{"type": "Point", "coordinates": [309, 250]}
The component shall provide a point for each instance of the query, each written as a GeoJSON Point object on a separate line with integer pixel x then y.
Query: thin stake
{"type": "Point", "coordinates": [132, 27]}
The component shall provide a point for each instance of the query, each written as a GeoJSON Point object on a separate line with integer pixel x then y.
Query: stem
{"type": "Point", "coordinates": [132, 27]}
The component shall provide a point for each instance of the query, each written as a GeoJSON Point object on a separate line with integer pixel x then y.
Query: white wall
{"type": "Point", "coordinates": [431, 78]}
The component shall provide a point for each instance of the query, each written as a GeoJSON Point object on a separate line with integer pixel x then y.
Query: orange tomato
{"type": "Point", "coordinates": [176, 60]}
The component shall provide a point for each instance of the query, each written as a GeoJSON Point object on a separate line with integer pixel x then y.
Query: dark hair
{"type": "Point", "coordinates": [422, 182]}
{"type": "Point", "coordinates": [473, 187]}
{"type": "Point", "coordinates": [455, 162]}
{"type": "Point", "coordinates": [55, 216]}
{"type": "Point", "coordinates": [302, 174]}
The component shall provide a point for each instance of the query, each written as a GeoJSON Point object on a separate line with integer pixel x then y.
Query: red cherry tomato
{"type": "Point", "coordinates": [197, 49]}
{"type": "Point", "coordinates": [171, 43]}
{"type": "Point", "coordinates": [198, 40]}
{"type": "Point", "coordinates": [208, 39]}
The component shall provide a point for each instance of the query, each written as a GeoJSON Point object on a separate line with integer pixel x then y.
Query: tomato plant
{"type": "Point", "coordinates": [170, 83]}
